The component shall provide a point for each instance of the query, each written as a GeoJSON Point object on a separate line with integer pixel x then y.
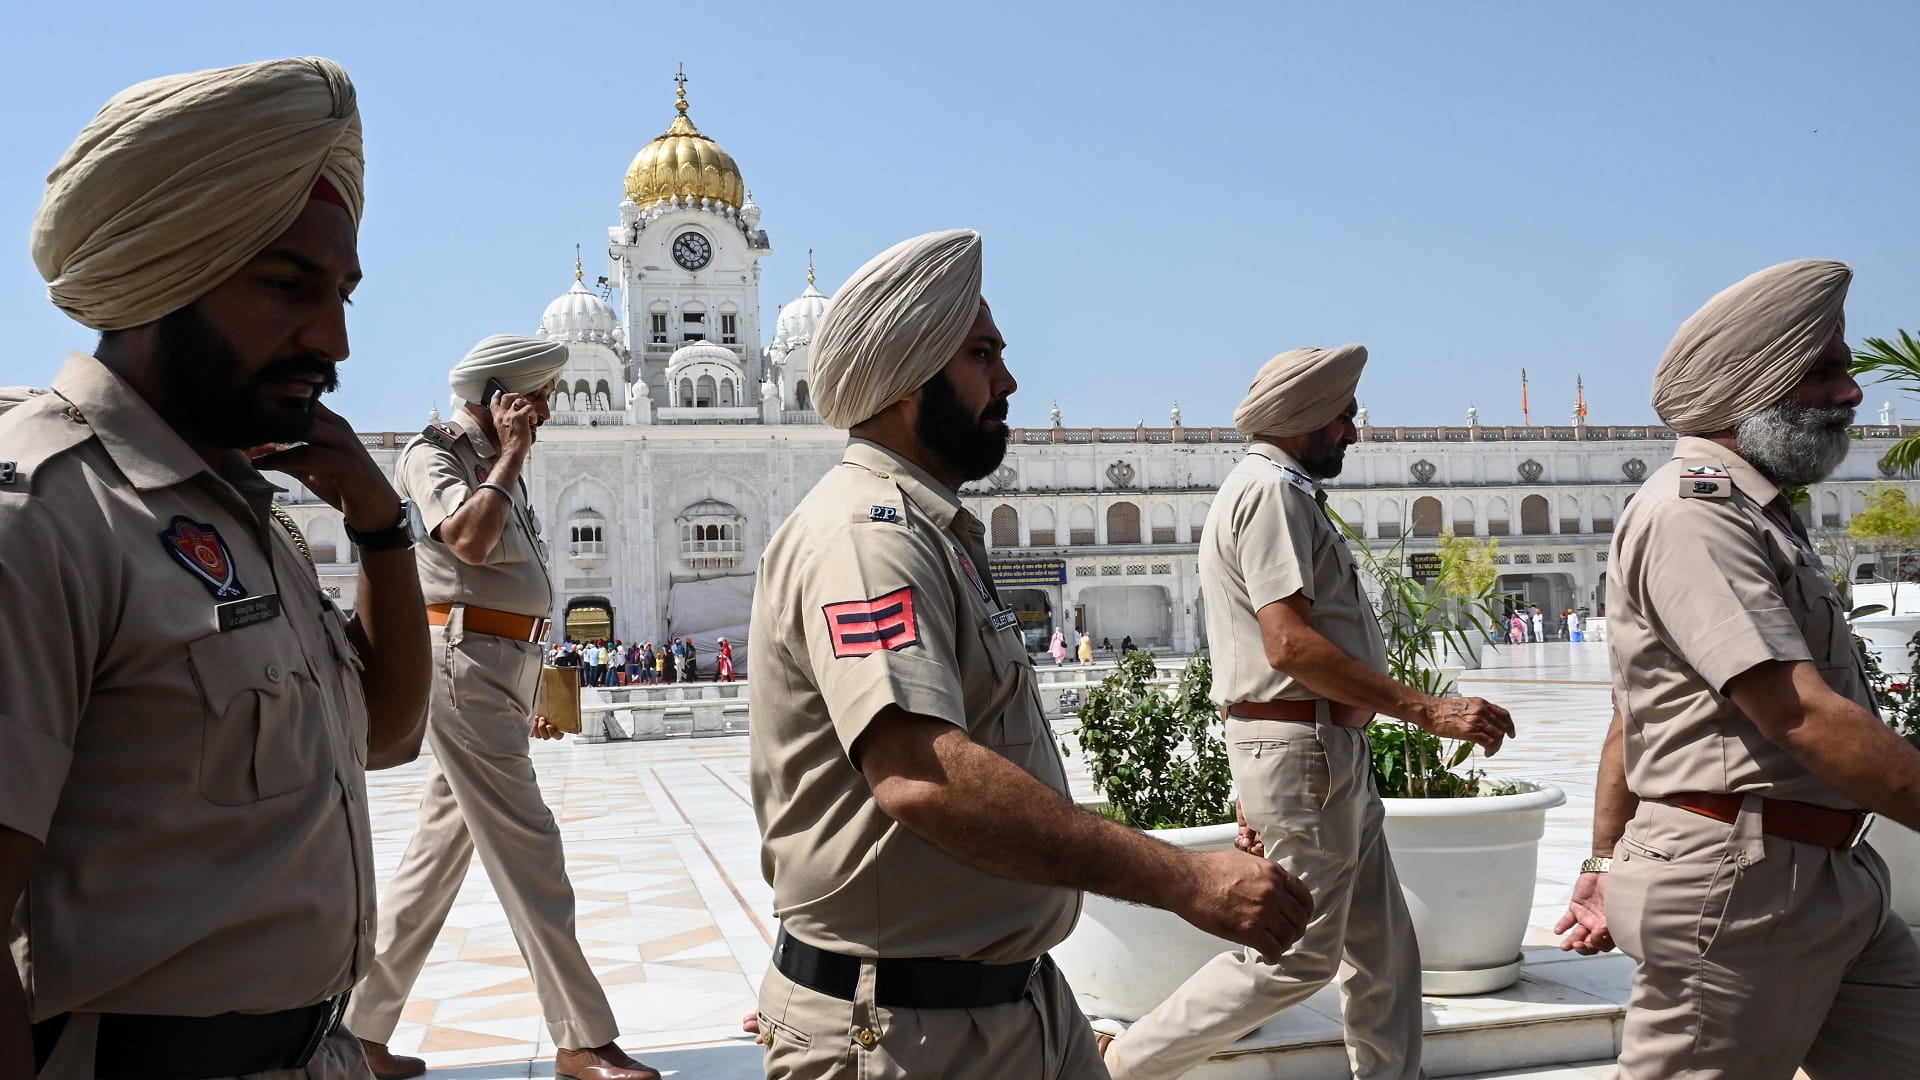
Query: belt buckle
{"type": "Point", "coordinates": [539, 632]}
{"type": "Point", "coordinates": [1867, 819]}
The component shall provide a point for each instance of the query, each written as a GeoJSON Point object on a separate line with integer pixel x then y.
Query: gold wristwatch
{"type": "Point", "coordinates": [1599, 864]}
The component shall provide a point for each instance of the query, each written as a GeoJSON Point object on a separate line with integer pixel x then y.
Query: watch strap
{"type": "Point", "coordinates": [1599, 864]}
{"type": "Point", "coordinates": [390, 539]}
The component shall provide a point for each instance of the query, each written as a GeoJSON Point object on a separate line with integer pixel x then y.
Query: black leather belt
{"type": "Point", "coordinates": [133, 1046]}
{"type": "Point", "coordinates": [906, 983]}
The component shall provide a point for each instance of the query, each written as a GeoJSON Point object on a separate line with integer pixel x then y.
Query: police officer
{"type": "Point", "coordinates": [1299, 670]}
{"type": "Point", "coordinates": [185, 718]}
{"type": "Point", "coordinates": [483, 567]}
{"type": "Point", "coordinates": [912, 806]}
{"type": "Point", "coordinates": [1745, 754]}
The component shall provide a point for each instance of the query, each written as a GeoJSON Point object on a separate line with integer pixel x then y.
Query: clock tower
{"type": "Point", "coordinates": [686, 258]}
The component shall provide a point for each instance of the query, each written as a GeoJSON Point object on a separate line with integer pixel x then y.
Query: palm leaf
{"type": "Point", "coordinates": [1896, 362]}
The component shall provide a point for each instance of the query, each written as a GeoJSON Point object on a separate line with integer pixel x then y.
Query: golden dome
{"type": "Point", "coordinates": [684, 163]}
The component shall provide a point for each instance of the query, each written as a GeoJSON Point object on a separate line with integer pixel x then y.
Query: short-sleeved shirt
{"type": "Point", "coordinates": [875, 592]}
{"type": "Point", "coordinates": [200, 791]}
{"type": "Point", "coordinates": [1268, 537]}
{"type": "Point", "coordinates": [440, 470]}
{"type": "Point", "coordinates": [1700, 590]}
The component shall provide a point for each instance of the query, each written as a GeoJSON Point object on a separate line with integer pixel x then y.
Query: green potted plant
{"type": "Point", "coordinates": [1468, 573]}
{"type": "Point", "coordinates": [1158, 758]}
{"type": "Point", "coordinates": [1898, 697]}
{"type": "Point", "coordinates": [1465, 844]}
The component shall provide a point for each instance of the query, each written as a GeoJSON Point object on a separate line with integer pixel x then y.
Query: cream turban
{"type": "Point", "coordinates": [1301, 391]}
{"type": "Point", "coordinates": [895, 323]}
{"type": "Point", "coordinates": [522, 365]}
{"type": "Point", "coordinates": [180, 180]}
{"type": "Point", "coordinates": [1749, 345]}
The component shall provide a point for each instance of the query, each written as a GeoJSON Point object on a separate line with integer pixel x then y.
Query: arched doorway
{"type": "Point", "coordinates": [589, 618]}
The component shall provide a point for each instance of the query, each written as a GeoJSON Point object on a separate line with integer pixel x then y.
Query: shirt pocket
{"type": "Point", "coordinates": [348, 669]}
{"type": "Point", "coordinates": [262, 728]}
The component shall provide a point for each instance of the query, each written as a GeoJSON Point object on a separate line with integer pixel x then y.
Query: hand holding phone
{"type": "Point", "coordinates": [494, 388]}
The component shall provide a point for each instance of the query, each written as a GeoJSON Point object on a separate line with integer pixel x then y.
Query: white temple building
{"type": "Point", "coordinates": [681, 437]}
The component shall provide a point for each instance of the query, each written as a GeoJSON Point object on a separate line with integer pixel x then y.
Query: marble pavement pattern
{"type": "Point", "coordinates": [673, 914]}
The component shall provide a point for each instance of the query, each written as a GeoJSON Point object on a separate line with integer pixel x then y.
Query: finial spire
{"type": "Point", "coordinates": [681, 78]}
{"type": "Point", "coordinates": [578, 272]}
{"type": "Point", "coordinates": [809, 266]}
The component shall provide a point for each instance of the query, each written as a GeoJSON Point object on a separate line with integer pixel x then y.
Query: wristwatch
{"type": "Point", "coordinates": [1596, 865]}
{"type": "Point", "coordinates": [399, 537]}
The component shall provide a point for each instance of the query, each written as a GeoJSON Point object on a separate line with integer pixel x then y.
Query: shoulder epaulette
{"type": "Point", "coordinates": [442, 437]}
{"type": "Point", "coordinates": [1705, 480]}
{"type": "Point", "coordinates": [40, 426]}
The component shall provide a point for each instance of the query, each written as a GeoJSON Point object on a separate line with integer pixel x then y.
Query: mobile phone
{"type": "Point", "coordinates": [494, 386]}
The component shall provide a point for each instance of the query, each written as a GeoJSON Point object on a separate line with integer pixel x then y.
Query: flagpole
{"type": "Point", "coordinates": [1525, 419]}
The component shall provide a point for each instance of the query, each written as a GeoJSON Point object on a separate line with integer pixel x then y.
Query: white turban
{"type": "Point", "coordinates": [1748, 346]}
{"type": "Point", "coordinates": [895, 324]}
{"type": "Point", "coordinates": [523, 365]}
{"type": "Point", "coordinates": [1301, 391]}
{"type": "Point", "coordinates": [180, 180]}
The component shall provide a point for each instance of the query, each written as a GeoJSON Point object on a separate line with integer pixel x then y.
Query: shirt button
{"type": "Point", "coordinates": [867, 1038]}
{"type": "Point", "coordinates": [273, 672]}
{"type": "Point", "coordinates": [1625, 855]}
{"type": "Point", "coordinates": [1742, 860]}
{"type": "Point", "coordinates": [882, 476]}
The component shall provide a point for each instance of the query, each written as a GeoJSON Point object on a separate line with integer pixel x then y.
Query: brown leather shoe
{"type": "Point", "coordinates": [388, 1066]}
{"type": "Point", "coordinates": [607, 1062]}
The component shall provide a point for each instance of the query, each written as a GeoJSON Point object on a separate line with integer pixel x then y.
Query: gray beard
{"type": "Point", "coordinates": [1795, 445]}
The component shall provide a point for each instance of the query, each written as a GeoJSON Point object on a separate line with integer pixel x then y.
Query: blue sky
{"type": "Point", "coordinates": [1169, 193]}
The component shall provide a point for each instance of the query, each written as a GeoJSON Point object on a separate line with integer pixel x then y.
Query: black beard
{"type": "Point", "coordinates": [1796, 445]}
{"type": "Point", "coordinates": [971, 446]}
{"type": "Point", "coordinates": [1323, 456]}
{"type": "Point", "coordinates": [207, 398]}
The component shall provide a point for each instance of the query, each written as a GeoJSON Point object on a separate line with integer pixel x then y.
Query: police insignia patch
{"type": "Point", "coordinates": [883, 624]}
{"type": "Point", "coordinates": [1705, 482]}
{"type": "Point", "coordinates": [7, 471]}
{"type": "Point", "coordinates": [198, 547]}
{"type": "Point", "coordinates": [883, 513]}
{"type": "Point", "coordinates": [442, 437]}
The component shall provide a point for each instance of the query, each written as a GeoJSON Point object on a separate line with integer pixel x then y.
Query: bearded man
{"type": "Point", "coordinates": [1299, 671]}
{"type": "Point", "coordinates": [1745, 754]}
{"type": "Point", "coordinates": [915, 825]}
{"type": "Point", "coordinates": [185, 717]}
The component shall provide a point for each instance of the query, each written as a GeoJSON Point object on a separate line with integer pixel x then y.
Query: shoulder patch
{"type": "Point", "coordinates": [1705, 482]}
{"type": "Point", "coordinates": [885, 623]}
{"type": "Point", "coordinates": [889, 514]}
{"type": "Point", "coordinates": [8, 470]}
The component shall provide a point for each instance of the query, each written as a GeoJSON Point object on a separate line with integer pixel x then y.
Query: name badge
{"type": "Point", "coordinates": [236, 614]}
{"type": "Point", "coordinates": [1005, 619]}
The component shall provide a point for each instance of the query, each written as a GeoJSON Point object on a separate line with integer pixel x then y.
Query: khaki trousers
{"type": "Point", "coordinates": [1758, 955]}
{"type": "Point", "coordinates": [338, 1058]}
{"type": "Point", "coordinates": [1308, 789]}
{"type": "Point", "coordinates": [482, 795]}
{"type": "Point", "coordinates": [812, 1036]}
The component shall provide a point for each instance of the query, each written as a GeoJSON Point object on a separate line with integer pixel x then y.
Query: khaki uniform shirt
{"type": "Point", "coordinates": [1700, 590]}
{"type": "Point", "coordinates": [874, 592]}
{"type": "Point", "coordinates": [1267, 537]}
{"type": "Point", "coordinates": [200, 791]}
{"type": "Point", "coordinates": [439, 474]}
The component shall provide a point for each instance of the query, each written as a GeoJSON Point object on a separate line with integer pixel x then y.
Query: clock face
{"type": "Point", "coordinates": [692, 251]}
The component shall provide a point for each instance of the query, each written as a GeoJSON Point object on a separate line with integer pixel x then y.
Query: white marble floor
{"type": "Point", "coordinates": [663, 853]}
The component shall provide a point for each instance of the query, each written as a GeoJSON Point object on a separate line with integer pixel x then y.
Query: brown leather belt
{"type": "Point", "coordinates": [1801, 822]}
{"type": "Point", "coordinates": [481, 620]}
{"type": "Point", "coordinates": [1299, 712]}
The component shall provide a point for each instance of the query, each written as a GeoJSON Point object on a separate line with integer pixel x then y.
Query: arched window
{"type": "Point", "coordinates": [1123, 523]}
{"type": "Point", "coordinates": [1426, 516]}
{"type": "Point", "coordinates": [1040, 532]}
{"type": "Point", "coordinates": [1499, 517]}
{"type": "Point", "coordinates": [1533, 516]}
{"type": "Point", "coordinates": [586, 536]}
{"type": "Point", "coordinates": [1829, 510]}
{"type": "Point", "coordinates": [1163, 527]}
{"type": "Point", "coordinates": [603, 396]}
{"type": "Point", "coordinates": [1198, 520]}
{"type": "Point", "coordinates": [1080, 525]}
{"type": "Point", "coordinates": [1569, 514]}
{"type": "Point", "coordinates": [802, 396]}
{"type": "Point", "coordinates": [727, 400]}
{"type": "Point", "coordinates": [711, 535]}
{"type": "Point", "coordinates": [1387, 520]}
{"type": "Point", "coordinates": [704, 392]}
{"type": "Point", "coordinates": [1006, 526]}
{"type": "Point", "coordinates": [1463, 517]}
{"type": "Point", "coordinates": [1602, 514]}
{"type": "Point", "coordinates": [685, 394]}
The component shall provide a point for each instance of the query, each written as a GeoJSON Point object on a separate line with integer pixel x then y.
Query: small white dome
{"type": "Point", "coordinates": [800, 317]}
{"type": "Point", "coordinates": [579, 315]}
{"type": "Point", "coordinates": [702, 352]}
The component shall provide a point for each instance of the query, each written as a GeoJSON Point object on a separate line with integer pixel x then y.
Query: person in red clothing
{"type": "Point", "coordinates": [725, 671]}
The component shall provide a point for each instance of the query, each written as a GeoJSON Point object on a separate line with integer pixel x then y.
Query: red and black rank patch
{"type": "Point", "coordinates": [882, 624]}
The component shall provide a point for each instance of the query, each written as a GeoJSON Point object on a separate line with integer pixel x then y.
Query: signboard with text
{"type": "Point", "coordinates": [1017, 572]}
{"type": "Point", "coordinates": [1424, 565]}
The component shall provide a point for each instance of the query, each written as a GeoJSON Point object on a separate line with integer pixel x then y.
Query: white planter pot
{"type": "Point", "coordinates": [1887, 637]}
{"type": "Point", "coordinates": [1450, 654]}
{"type": "Point", "coordinates": [1123, 959]}
{"type": "Point", "coordinates": [1900, 847]}
{"type": "Point", "coordinates": [1467, 868]}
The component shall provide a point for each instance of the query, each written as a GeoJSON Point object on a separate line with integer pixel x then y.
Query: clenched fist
{"type": "Point", "coordinates": [1471, 719]}
{"type": "Point", "coordinates": [1246, 899]}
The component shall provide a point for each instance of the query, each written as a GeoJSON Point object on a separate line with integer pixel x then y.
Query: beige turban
{"type": "Point", "coordinates": [1301, 391]}
{"type": "Point", "coordinates": [180, 180]}
{"type": "Point", "coordinates": [895, 323]}
{"type": "Point", "coordinates": [1749, 345]}
{"type": "Point", "coordinates": [522, 365]}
